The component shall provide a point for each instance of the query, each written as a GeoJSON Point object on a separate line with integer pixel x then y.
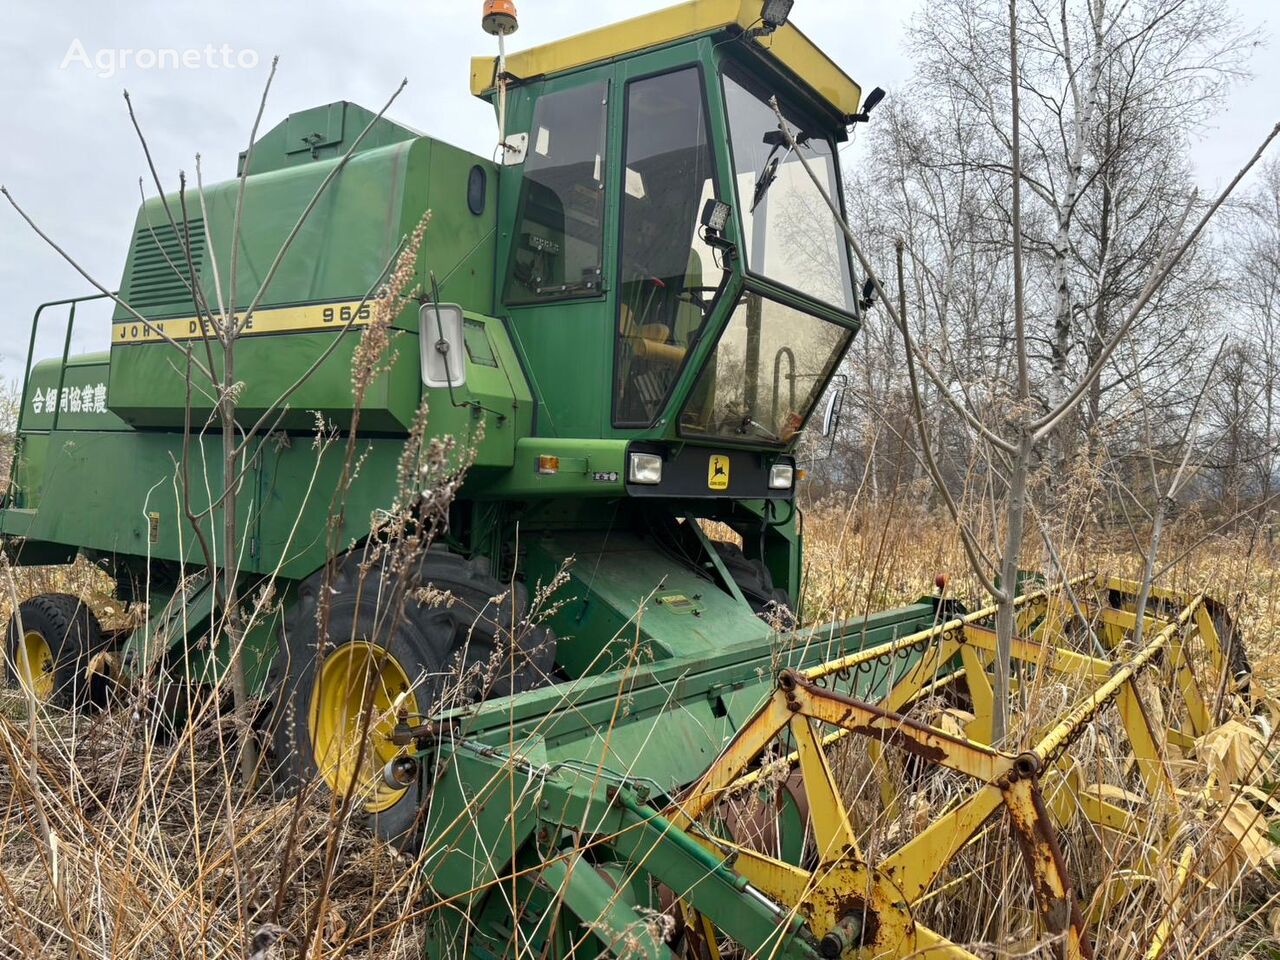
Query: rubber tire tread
{"type": "Point", "coordinates": [435, 640]}
{"type": "Point", "coordinates": [74, 635]}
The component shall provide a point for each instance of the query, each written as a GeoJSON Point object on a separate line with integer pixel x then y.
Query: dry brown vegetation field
{"type": "Point", "coordinates": [119, 839]}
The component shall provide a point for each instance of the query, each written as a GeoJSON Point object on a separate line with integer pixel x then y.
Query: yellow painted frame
{"type": "Point", "coordinates": [1037, 789]}
{"type": "Point", "coordinates": [787, 45]}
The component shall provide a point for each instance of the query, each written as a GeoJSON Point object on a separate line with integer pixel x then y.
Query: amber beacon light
{"type": "Point", "coordinates": [499, 18]}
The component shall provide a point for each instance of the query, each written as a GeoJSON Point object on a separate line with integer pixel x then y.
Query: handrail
{"type": "Point", "coordinates": [777, 377]}
{"type": "Point", "coordinates": [66, 347]}
{"type": "Point", "coordinates": [26, 375]}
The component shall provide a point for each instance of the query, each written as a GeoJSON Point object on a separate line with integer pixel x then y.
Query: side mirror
{"type": "Point", "coordinates": [831, 417]}
{"type": "Point", "coordinates": [868, 295]}
{"type": "Point", "coordinates": [441, 345]}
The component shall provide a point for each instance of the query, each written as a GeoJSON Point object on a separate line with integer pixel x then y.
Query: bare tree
{"type": "Point", "coordinates": [1244, 402]}
{"type": "Point", "coordinates": [1108, 93]}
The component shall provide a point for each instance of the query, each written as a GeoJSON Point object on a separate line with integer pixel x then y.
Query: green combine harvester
{"type": "Point", "coordinates": [629, 322]}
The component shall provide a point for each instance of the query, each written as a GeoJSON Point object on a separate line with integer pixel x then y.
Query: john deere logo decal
{"type": "Point", "coordinates": [718, 472]}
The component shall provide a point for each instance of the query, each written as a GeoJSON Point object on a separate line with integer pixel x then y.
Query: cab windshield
{"type": "Point", "coordinates": [767, 372]}
{"type": "Point", "coordinates": [791, 237]}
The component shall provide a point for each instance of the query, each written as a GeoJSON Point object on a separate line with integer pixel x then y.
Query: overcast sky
{"type": "Point", "coordinates": [71, 158]}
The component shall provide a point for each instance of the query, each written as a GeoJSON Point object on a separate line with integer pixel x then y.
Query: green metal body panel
{"type": "Point", "coordinates": [591, 468]}
{"type": "Point", "coordinates": [567, 753]}
{"type": "Point", "coordinates": [623, 589]}
{"type": "Point", "coordinates": [270, 364]}
{"type": "Point", "coordinates": [288, 489]}
{"type": "Point", "coordinates": [340, 255]}
{"type": "Point", "coordinates": [321, 133]}
{"type": "Point", "coordinates": [720, 687]}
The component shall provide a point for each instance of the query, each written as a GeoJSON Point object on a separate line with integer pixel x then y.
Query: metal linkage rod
{"type": "Point", "coordinates": [1062, 735]}
{"type": "Point", "coordinates": [932, 633]}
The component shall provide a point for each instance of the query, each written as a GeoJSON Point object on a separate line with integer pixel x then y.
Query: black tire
{"type": "Point", "coordinates": [454, 647]}
{"type": "Point", "coordinates": [70, 633]}
{"type": "Point", "coordinates": [756, 583]}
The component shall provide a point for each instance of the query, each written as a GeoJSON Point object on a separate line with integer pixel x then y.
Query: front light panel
{"type": "Point", "coordinates": [782, 476]}
{"type": "Point", "coordinates": [644, 468]}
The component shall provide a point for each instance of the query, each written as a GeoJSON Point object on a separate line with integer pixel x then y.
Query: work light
{"type": "Point", "coordinates": [775, 12]}
{"type": "Point", "coordinates": [782, 476]}
{"type": "Point", "coordinates": [715, 215]}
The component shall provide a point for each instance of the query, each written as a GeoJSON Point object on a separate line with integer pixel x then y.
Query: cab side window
{"type": "Point", "coordinates": [557, 248]}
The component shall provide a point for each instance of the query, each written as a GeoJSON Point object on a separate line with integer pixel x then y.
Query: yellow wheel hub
{"type": "Point", "coordinates": [35, 664]}
{"type": "Point", "coordinates": [360, 688]}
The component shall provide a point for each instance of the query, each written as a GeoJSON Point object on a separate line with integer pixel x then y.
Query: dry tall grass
{"type": "Point", "coordinates": [120, 838]}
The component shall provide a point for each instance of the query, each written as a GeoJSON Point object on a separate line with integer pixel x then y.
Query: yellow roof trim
{"type": "Point", "coordinates": [788, 45]}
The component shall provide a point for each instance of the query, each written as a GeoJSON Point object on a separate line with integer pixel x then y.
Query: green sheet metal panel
{"type": "Point", "coordinates": [587, 468]}
{"type": "Point", "coordinates": [102, 490]}
{"type": "Point", "coordinates": [322, 133]}
{"type": "Point", "coordinates": [72, 400]}
{"type": "Point", "coordinates": [339, 257]}
{"type": "Point", "coordinates": [147, 390]}
{"type": "Point", "coordinates": [82, 403]}
{"type": "Point", "coordinates": [623, 587]}
{"type": "Point", "coordinates": [99, 489]}
{"type": "Point", "coordinates": [493, 410]}
{"type": "Point", "coordinates": [665, 720]}
{"type": "Point", "coordinates": [474, 827]}
{"type": "Point", "coordinates": [103, 485]}
{"type": "Point", "coordinates": [339, 252]}
{"type": "Point", "coordinates": [459, 245]}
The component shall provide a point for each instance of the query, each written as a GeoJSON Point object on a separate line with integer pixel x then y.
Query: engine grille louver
{"type": "Point", "coordinates": [159, 274]}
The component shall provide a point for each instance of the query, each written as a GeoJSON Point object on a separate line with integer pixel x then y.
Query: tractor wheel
{"type": "Point", "coordinates": [49, 653]}
{"type": "Point", "coordinates": [335, 704]}
{"type": "Point", "coordinates": [756, 583]}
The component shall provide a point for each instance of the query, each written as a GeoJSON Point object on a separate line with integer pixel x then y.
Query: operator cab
{"type": "Point", "coordinates": [665, 231]}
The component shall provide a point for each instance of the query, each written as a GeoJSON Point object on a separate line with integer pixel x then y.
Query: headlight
{"type": "Point", "coordinates": [782, 476]}
{"type": "Point", "coordinates": [644, 468]}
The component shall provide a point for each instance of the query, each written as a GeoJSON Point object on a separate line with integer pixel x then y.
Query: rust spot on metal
{"type": "Point", "coordinates": [893, 737]}
{"type": "Point", "coordinates": [859, 906]}
{"type": "Point", "coordinates": [1038, 841]}
{"type": "Point", "coordinates": [893, 719]}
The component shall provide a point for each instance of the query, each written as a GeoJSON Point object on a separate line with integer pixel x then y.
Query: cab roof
{"type": "Point", "coordinates": [787, 45]}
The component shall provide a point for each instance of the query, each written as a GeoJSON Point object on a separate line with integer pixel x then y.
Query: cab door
{"type": "Point", "coordinates": [670, 279]}
{"type": "Point", "coordinates": [557, 243]}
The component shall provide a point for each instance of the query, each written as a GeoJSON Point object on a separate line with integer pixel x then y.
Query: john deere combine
{"type": "Point", "coordinates": [628, 321]}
